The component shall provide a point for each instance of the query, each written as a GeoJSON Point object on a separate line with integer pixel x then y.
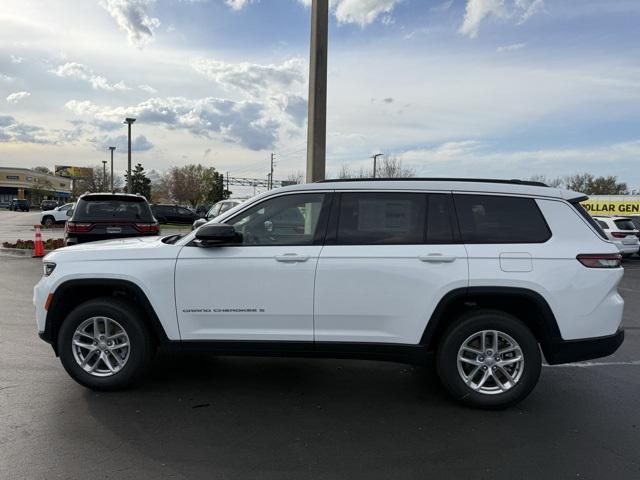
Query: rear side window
{"type": "Point", "coordinates": [625, 224]}
{"type": "Point", "coordinates": [590, 220]}
{"type": "Point", "coordinates": [99, 208]}
{"type": "Point", "coordinates": [381, 218]}
{"type": "Point", "coordinates": [500, 219]}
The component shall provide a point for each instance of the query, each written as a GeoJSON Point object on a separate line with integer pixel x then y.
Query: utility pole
{"type": "Point", "coordinates": [129, 122]}
{"type": "Point", "coordinates": [104, 174]}
{"type": "Point", "coordinates": [375, 164]}
{"type": "Point", "coordinates": [273, 155]}
{"type": "Point", "coordinates": [227, 181]}
{"type": "Point", "coordinates": [112, 149]}
{"type": "Point", "coordinates": [317, 120]}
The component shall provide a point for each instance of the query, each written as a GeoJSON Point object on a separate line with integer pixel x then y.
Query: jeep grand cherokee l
{"type": "Point", "coordinates": [486, 275]}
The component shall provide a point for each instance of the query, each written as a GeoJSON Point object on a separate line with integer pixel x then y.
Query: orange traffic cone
{"type": "Point", "coordinates": [38, 250]}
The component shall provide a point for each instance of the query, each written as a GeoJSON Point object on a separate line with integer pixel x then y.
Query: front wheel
{"type": "Point", "coordinates": [489, 359]}
{"type": "Point", "coordinates": [48, 222]}
{"type": "Point", "coordinates": [104, 344]}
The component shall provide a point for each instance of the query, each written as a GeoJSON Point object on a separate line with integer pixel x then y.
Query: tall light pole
{"type": "Point", "coordinates": [112, 149]}
{"type": "Point", "coordinates": [129, 122]}
{"type": "Point", "coordinates": [375, 163]}
{"type": "Point", "coordinates": [273, 155]}
{"type": "Point", "coordinates": [317, 120]}
{"type": "Point", "coordinates": [104, 174]}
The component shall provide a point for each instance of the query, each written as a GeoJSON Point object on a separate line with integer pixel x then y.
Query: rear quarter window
{"type": "Point", "coordinates": [625, 224]}
{"type": "Point", "coordinates": [500, 219]}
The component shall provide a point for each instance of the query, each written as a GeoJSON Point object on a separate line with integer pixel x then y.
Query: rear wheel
{"type": "Point", "coordinates": [48, 221]}
{"type": "Point", "coordinates": [104, 344]}
{"type": "Point", "coordinates": [489, 359]}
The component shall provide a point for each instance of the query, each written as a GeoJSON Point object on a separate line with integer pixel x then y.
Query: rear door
{"type": "Point", "coordinates": [389, 258]}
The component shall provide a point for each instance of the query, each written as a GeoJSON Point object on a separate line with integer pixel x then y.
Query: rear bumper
{"type": "Point", "coordinates": [567, 351]}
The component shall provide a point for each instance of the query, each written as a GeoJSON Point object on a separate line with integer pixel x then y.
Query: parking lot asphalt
{"type": "Point", "coordinates": [201, 416]}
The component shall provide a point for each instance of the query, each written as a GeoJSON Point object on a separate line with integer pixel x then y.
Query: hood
{"type": "Point", "coordinates": [137, 248]}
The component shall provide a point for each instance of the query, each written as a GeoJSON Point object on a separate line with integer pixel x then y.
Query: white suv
{"type": "Point", "coordinates": [56, 216]}
{"type": "Point", "coordinates": [621, 231]}
{"type": "Point", "coordinates": [483, 274]}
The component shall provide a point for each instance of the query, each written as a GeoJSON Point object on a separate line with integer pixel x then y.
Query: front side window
{"type": "Point", "coordinates": [284, 220]}
{"type": "Point", "coordinates": [381, 218]}
{"type": "Point", "coordinates": [500, 219]}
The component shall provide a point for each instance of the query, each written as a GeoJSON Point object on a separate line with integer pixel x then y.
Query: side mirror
{"type": "Point", "coordinates": [217, 234]}
{"type": "Point", "coordinates": [70, 212]}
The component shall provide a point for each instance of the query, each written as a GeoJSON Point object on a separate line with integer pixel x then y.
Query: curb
{"type": "Point", "coordinates": [18, 252]}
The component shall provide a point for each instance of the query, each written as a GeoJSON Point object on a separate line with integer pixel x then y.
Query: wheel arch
{"type": "Point", "coordinates": [71, 293]}
{"type": "Point", "coordinates": [528, 305]}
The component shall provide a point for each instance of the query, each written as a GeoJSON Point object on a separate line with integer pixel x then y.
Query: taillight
{"type": "Point", "coordinates": [147, 227]}
{"type": "Point", "coordinates": [74, 227]}
{"type": "Point", "coordinates": [596, 260]}
{"type": "Point", "coordinates": [619, 234]}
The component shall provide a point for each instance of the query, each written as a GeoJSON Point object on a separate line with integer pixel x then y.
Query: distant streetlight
{"type": "Point", "coordinates": [129, 122]}
{"type": "Point", "coordinates": [375, 165]}
{"type": "Point", "coordinates": [112, 149]}
{"type": "Point", "coordinates": [104, 174]}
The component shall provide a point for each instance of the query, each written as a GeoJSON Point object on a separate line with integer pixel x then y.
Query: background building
{"type": "Point", "coordinates": [32, 185]}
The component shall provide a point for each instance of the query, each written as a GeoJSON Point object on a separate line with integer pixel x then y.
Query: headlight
{"type": "Point", "coordinates": [49, 267]}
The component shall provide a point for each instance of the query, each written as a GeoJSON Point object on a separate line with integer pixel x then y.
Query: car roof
{"type": "Point", "coordinates": [499, 186]}
{"type": "Point", "coordinates": [112, 196]}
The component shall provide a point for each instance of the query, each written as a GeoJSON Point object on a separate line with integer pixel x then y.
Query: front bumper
{"type": "Point", "coordinates": [568, 351]}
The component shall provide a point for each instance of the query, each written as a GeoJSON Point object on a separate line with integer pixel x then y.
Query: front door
{"type": "Point", "coordinates": [262, 289]}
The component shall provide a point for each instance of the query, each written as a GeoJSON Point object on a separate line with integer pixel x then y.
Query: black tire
{"type": "Point", "coordinates": [142, 347]}
{"type": "Point", "coordinates": [477, 321]}
{"type": "Point", "coordinates": [48, 221]}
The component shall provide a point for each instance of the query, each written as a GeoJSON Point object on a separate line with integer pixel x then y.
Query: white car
{"type": "Point", "coordinates": [56, 216]}
{"type": "Point", "coordinates": [621, 231]}
{"type": "Point", "coordinates": [485, 274]}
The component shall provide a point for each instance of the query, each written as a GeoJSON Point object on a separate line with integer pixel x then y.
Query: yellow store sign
{"type": "Point", "coordinates": [597, 206]}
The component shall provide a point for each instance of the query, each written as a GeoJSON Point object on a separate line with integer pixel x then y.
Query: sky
{"type": "Point", "coordinates": [485, 88]}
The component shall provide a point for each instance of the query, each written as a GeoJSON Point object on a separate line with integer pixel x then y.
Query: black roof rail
{"type": "Point", "coordinates": [514, 181]}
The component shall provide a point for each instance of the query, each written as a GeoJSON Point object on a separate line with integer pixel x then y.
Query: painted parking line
{"type": "Point", "coordinates": [594, 364]}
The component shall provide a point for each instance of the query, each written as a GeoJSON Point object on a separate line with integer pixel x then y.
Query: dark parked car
{"type": "Point", "coordinates": [16, 204]}
{"type": "Point", "coordinates": [104, 216]}
{"type": "Point", "coordinates": [48, 205]}
{"type": "Point", "coordinates": [203, 208]}
{"type": "Point", "coordinates": [174, 214]}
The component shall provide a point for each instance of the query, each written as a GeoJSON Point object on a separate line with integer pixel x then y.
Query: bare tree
{"type": "Point", "coordinates": [391, 167]}
{"type": "Point", "coordinates": [295, 178]}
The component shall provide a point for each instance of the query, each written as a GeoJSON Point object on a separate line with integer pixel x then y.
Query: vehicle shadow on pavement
{"type": "Point", "coordinates": [297, 418]}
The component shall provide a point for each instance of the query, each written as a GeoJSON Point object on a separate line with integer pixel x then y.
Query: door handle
{"type": "Point", "coordinates": [291, 258]}
{"type": "Point", "coordinates": [437, 258]}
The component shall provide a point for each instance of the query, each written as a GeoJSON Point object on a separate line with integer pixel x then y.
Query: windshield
{"type": "Point", "coordinates": [625, 224]}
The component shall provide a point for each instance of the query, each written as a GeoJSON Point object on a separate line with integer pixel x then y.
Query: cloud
{"type": "Point", "coordinates": [478, 10]}
{"type": "Point", "coordinates": [15, 59]}
{"type": "Point", "coordinates": [477, 158]}
{"type": "Point", "coordinates": [238, 4]}
{"type": "Point", "coordinates": [138, 144]}
{"type": "Point", "coordinates": [82, 72]}
{"type": "Point", "coordinates": [511, 48]}
{"type": "Point", "coordinates": [148, 89]}
{"type": "Point", "coordinates": [388, 100]}
{"type": "Point", "coordinates": [13, 131]}
{"type": "Point", "coordinates": [5, 78]}
{"type": "Point", "coordinates": [17, 97]}
{"type": "Point", "coordinates": [245, 123]}
{"type": "Point", "coordinates": [254, 79]}
{"type": "Point", "coordinates": [360, 12]}
{"type": "Point", "coordinates": [296, 108]}
{"type": "Point", "coordinates": [134, 17]}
